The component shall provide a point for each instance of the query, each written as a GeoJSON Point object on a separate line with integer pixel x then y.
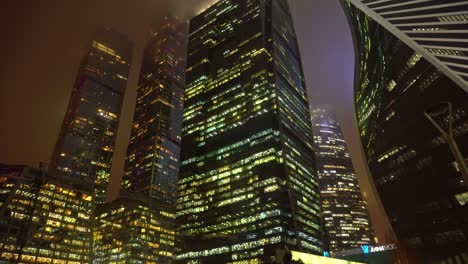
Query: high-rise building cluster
{"type": "Point", "coordinates": [139, 227]}
{"type": "Point", "coordinates": [227, 164]}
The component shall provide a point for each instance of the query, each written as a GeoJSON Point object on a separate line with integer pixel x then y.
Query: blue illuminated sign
{"type": "Point", "coordinates": [365, 249]}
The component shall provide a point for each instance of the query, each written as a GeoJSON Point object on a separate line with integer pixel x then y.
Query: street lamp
{"type": "Point", "coordinates": [441, 117]}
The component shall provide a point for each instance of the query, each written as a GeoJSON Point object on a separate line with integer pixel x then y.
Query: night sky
{"type": "Point", "coordinates": [43, 42]}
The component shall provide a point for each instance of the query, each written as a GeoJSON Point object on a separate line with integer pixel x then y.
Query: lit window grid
{"type": "Point", "coordinates": [151, 168]}
{"type": "Point", "coordinates": [398, 160]}
{"type": "Point", "coordinates": [431, 28]}
{"type": "Point", "coordinates": [60, 230]}
{"type": "Point", "coordinates": [234, 110]}
{"type": "Point", "coordinates": [128, 231]}
{"type": "Point", "coordinates": [86, 142]}
{"type": "Point", "coordinates": [344, 210]}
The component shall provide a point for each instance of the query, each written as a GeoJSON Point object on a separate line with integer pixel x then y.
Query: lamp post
{"type": "Point", "coordinates": [440, 116]}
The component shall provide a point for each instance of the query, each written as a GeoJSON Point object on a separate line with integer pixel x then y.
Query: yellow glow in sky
{"type": "Point", "coordinates": [206, 6]}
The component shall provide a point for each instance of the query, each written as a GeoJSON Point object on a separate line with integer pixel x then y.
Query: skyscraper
{"type": "Point", "coordinates": [153, 153]}
{"type": "Point", "coordinates": [86, 141]}
{"type": "Point", "coordinates": [247, 184]}
{"type": "Point", "coordinates": [414, 170]}
{"type": "Point", "coordinates": [435, 29]}
{"type": "Point", "coordinates": [346, 220]}
{"type": "Point", "coordinates": [140, 225]}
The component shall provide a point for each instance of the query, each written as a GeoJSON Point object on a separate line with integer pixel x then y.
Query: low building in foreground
{"type": "Point", "coordinates": [380, 254]}
{"type": "Point", "coordinates": [127, 231]}
{"type": "Point", "coordinates": [282, 256]}
{"type": "Point", "coordinates": [43, 219]}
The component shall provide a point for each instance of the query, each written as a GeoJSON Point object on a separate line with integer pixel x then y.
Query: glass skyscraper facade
{"type": "Point", "coordinates": [43, 219]}
{"type": "Point", "coordinates": [247, 183]}
{"type": "Point", "coordinates": [435, 29]}
{"type": "Point", "coordinates": [154, 149]}
{"type": "Point", "coordinates": [345, 215]}
{"type": "Point", "coordinates": [420, 185]}
{"type": "Point", "coordinates": [139, 227]}
{"type": "Point", "coordinates": [86, 141]}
